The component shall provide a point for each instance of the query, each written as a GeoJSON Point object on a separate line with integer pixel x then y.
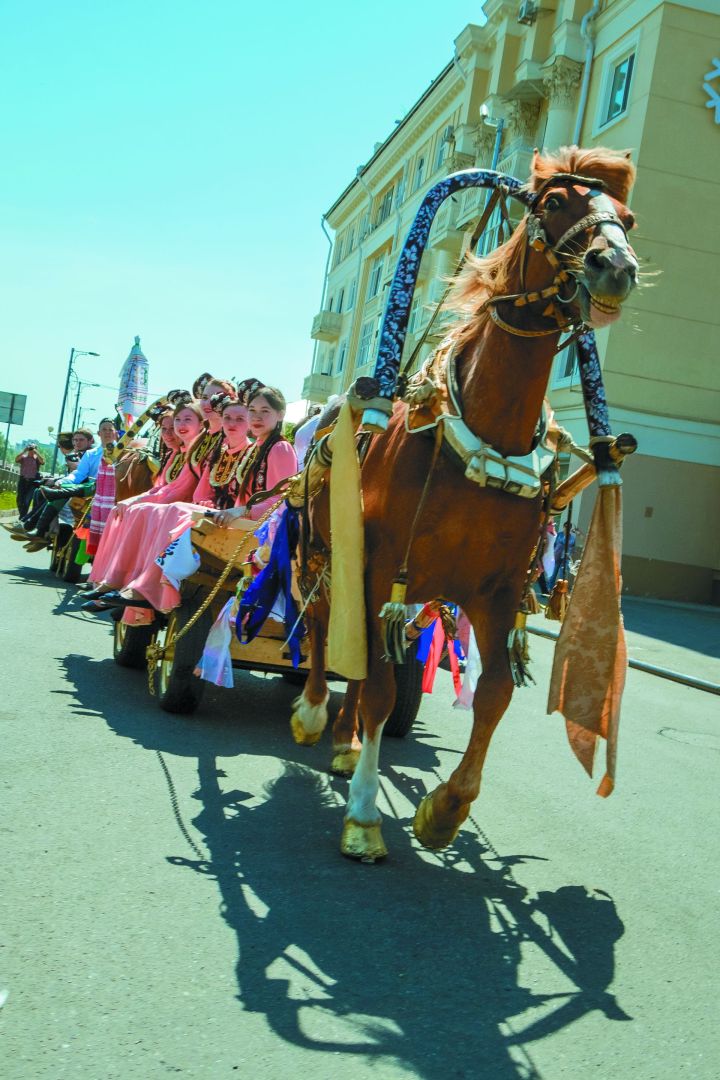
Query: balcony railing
{"type": "Point", "coordinates": [318, 387]}
{"type": "Point", "coordinates": [326, 326]}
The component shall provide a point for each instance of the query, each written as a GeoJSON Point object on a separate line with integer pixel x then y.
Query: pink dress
{"type": "Point", "coordinates": [126, 540]}
{"type": "Point", "coordinates": [130, 565]}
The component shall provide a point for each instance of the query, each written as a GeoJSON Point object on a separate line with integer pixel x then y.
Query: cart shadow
{"type": "Point", "coordinates": [419, 961]}
{"type": "Point", "coordinates": [21, 575]}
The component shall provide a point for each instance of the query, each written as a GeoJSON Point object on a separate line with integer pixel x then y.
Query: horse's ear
{"type": "Point", "coordinates": [536, 159]}
{"type": "Point", "coordinates": [628, 155]}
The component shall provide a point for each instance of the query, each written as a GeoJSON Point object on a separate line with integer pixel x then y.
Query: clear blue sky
{"type": "Point", "coordinates": [165, 167]}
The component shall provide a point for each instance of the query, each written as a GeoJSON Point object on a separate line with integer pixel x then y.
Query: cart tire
{"type": "Point", "coordinates": [71, 571]}
{"type": "Point", "coordinates": [130, 643]}
{"type": "Point", "coordinates": [408, 687]}
{"type": "Point", "coordinates": [178, 690]}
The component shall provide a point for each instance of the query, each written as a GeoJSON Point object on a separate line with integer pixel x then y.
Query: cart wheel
{"type": "Point", "coordinates": [178, 690]}
{"type": "Point", "coordinates": [70, 571]}
{"type": "Point", "coordinates": [408, 684]}
{"type": "Point", "coordinates": [130, 643]}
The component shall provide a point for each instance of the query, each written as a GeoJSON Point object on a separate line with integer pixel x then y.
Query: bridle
{"type": "Point", "coordinates": [537, 239]}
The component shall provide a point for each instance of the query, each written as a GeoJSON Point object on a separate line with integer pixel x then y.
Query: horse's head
{"type": "Point", "coordinates": [578, 209]}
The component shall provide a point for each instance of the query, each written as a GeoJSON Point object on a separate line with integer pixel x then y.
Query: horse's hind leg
{"type": "Point", "coordinates": [361, 837]}
{"type": "Point", "coordinates": [346, 745]}
{"type": "Point", "coordinates": [442, 812]}
{"type": "Point", "coordinates": [310, 712]}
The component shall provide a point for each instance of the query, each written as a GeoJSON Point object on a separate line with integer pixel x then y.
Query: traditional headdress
{"type": "Point", "coordinates": [246, 388]}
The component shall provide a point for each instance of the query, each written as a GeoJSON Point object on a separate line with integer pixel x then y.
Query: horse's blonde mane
{"type": "Point", "coordinates": [490, 275]}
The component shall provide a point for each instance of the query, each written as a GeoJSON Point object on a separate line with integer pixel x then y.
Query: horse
{"type": "Point", "coordinates": [134, 473]}
{"type": "Point", "coordinates": [472, 544]}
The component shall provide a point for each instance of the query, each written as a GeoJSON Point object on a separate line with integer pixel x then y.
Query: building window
{"type": "Point", "coordinates": [419, 173]}
{"type": "Point", "coordinates": [350, 242]}
{"type": "Point", "coordinates": [338, 251]}
{"type": "Point", "coordinates": [327, 359]}
{"type": "Point", "coordinates": [618, 71]}
{"type": "Point", "coordinates": [341, 298]}
{"type": "Point", "coordinates": [416, 314]}
{"type": "Point", "coordinates": [385, 208]}
{"type": "Point", "coordinates": [352, 295]}
{"type": "Point", "coordinates": [617, 100]}
{"type": "Point", "coordinates": [341, 356]}
{"type": "Point", "coordinates": [366, 341]}
{"type": "Point", "coordinates": [443, 143]}
{"type": "Point", "coordinates": [375, 276]}
{"type": "Point", "coordinates": [566, 366]}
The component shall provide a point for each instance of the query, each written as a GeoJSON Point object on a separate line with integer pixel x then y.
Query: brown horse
{"type": "Point", "coordinates": [133, 474]}
{"type": "Point", "coordinates": [472, 544]}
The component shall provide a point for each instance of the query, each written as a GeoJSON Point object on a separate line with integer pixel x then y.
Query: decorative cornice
{"type": "Point", "coordinates": [561, 81]}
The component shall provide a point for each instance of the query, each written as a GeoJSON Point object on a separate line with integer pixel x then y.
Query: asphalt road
{"type": "Point", "coordinates": [173, 900]}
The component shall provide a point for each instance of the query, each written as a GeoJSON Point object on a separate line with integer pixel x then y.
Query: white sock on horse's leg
{"type": "Point", "coordinates": [365, 783]}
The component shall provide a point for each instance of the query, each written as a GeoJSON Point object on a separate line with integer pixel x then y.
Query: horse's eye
{"type": "Point", "coordinates": [553, 203]}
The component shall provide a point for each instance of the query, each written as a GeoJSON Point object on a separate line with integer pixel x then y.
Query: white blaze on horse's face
{"type": "Point", "coordinates": [597, 251]}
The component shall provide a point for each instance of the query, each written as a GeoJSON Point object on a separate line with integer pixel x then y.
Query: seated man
{"type": "Point", "coordinates": [56, 491]}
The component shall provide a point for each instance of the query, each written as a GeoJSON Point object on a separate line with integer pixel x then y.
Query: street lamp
{"type": "Point", "coordinates": [76, 413]}
{"type": "Point", "coordinates": [73, 353]}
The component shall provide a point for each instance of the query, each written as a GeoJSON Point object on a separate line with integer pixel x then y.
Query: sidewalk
{"type": "Point", "coordinates": [682, 637]}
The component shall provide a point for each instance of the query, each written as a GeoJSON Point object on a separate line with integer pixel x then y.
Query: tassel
{"type": "Point", "coordinates": [394, 617]}
{"type": "Point", "coordinates": [531, 603]}
{"type": "Point", "coordinates": [247, 576]}
{"type": "Point", "coordinates": [519, 651]}
{"type": "Point", "coordinates": [557, 601]}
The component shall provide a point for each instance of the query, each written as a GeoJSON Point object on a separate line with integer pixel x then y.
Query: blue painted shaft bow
{"type": "Point", "coordinates": [399, 302]}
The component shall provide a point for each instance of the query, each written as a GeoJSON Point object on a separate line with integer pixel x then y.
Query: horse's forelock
{"type": "Point", "coordinates": [613, 167]}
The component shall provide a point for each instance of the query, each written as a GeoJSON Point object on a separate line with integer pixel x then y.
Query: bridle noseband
{"type": "Point", "coordinates": [537, 239]}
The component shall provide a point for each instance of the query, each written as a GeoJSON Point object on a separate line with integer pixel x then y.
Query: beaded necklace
{"type": "Point", "coordinates": [204, 447]}
{"type": "Point", "coordinates": [246, 464]}
{"type": "Point", "coordinates": [222, 471]}
{"type": "Point", "coordinates": [176, 466]}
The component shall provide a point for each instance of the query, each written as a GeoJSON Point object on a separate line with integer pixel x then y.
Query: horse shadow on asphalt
{"type": "Point", "coordinates": [418, 961]}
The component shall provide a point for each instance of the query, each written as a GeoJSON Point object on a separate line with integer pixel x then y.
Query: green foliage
{"type": "Point", "coordinates": [7, 499]}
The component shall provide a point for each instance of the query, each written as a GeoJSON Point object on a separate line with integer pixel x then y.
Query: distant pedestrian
{"type": "Point", "coordinates": [30, 462]}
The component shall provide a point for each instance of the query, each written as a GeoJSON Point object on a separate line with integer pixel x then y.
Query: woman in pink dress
{"type": "Point", "coordinates": [130, 527]}
{"type": "Point", "coordinates": [270, 460]}
{"type": "Point", "coordinates": [140, 571]}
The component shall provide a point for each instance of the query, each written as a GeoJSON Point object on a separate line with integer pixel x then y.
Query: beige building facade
{"type": "Point", "coordinates": [636, 74]}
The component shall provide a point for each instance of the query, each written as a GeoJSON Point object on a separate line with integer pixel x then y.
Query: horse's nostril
{"type": "Point", "coordinates": [593, 259]}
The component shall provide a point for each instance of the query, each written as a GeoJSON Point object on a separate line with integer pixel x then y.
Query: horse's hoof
{"type": "Point", "coordinates": [431, 832]}
{"type": "Point", "coordinates": [300, 735]}
{"type": "Point", "coordinates": [363, 842]}
{"type": "Point", "coordinates": [344, 762]}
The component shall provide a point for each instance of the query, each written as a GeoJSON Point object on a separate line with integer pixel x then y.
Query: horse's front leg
{"type": "Point", "coordinates": [442, 812]}
{"type": "Point", "coordinates": [361, 836]}
{"type": "Point", "coordinates": [310, 712]}
{"type": "Point", "coordinates": [346, 745]}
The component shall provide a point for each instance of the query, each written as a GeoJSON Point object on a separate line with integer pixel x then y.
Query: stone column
{"type": "Point", "coordinates": [561, 86]}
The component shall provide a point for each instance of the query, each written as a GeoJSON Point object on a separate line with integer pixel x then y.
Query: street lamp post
{"type": "Point", "coordinates": [73, 353]}
{"type": "Point", "coordinates": [76, 413]}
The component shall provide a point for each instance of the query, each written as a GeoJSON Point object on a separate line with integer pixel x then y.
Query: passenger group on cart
{"type": "Point", "coordinates": [401, 527]}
